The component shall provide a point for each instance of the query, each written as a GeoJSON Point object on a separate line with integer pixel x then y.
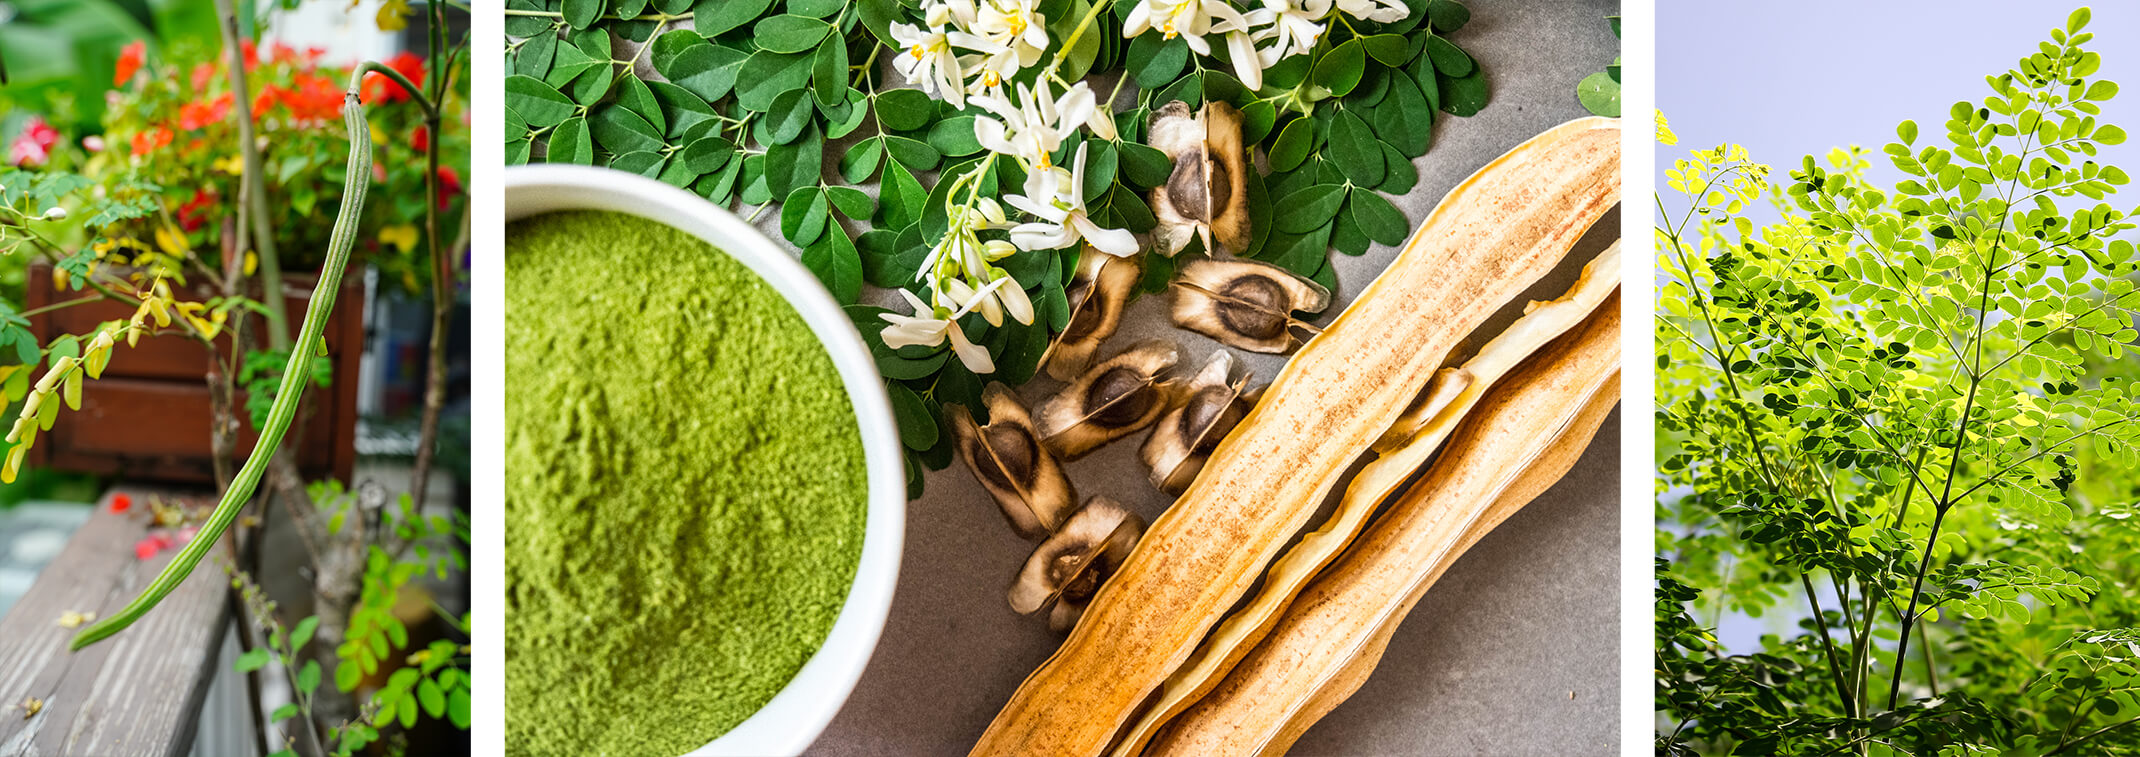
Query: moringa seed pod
{"type": "Point", "coordinates": [1206, 196]}
{"type": "Point", "coordinates": [1111, 400]}
{"type": "Point", "coordinates": [1097, 295]}
{"type": "Point", "coordinates": [1245, 304]}
{"type": "Point", "coordinates": [1006, 456]}
{"type": "Point", "coordinates": [1067, 569]}
{"type": "Point", "coordinates": [1214, 403]}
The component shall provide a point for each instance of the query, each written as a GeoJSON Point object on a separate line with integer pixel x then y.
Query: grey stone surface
{"type": "Point", "coordinates": [1514, 652]}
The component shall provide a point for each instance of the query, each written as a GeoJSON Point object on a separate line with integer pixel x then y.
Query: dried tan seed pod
{"type": "Point", "coordinates": [1206, 196]}
{"type": "Point", "coordinates": [1006, 456]}
{"type": "Point", "coordinates": [1097, 295]}
{"type": "Point", "coordinates": [1068, 568]}
{"type": "Point", "coordinates": [1111, 400]}
{"type": "Point", "coordinates": [1212, 404]}
{"type": "Point", "coordinates": [1246, 304]}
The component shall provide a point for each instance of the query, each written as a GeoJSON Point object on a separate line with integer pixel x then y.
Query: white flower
{"type": "Point", "coordinates": [1379, 11]}
{"type": "Point", "coordinates": [1102, 121]}
{"type": "Point", "coordinates": [1247, 64]}
{"type": "Point", "coordinates": [1033, 132]}
{"type": "Point", "coordinates": [1056, 196]}
{"type": "Point", "coordinates": [1014, 300]}
{"type": "Point", "coordinates": [1014, 25]}
{"type": "Point", "coordinates": [929, 64]}
{"type": "Point", "coordinates": [1188, 19]}
{"type": "Point", "coordinates": [1292, 24]}
{"type": "Point", "coordinates": [932, 330]}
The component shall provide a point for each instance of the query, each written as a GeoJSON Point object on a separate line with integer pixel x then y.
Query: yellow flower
{"type": "Point", "coordinates": [209, 323]}
{"type": "Point", "coordinates": [231, 164]}
{"type": "Point", "coordinates": [393, 15]}
{"type": "Point", "coordinates": [172, 242]}
{"type": "Point", "coordinates": [402, 237]}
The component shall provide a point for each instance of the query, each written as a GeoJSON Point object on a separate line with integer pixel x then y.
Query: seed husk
{"type": "Point", "coordinates": [1206, 196]}
{"type": "Point", "coordinates": [1448, 401]}
{"type": "Point", "coordinates": [1535, 480]}
{"type": "Point", "coordinates": [1065, 571]}
{"type": "Point", "coordinates": [1490, 238]}
{"type": "Point", "coordinates": [1009, 460]}
{"type": "Point", "coordinates": [1246, 304]}
{"type": "Point", "coordinates": [1097, 295]}
{"type": "Point", "coordinates": [1212, 404]}
{"type": "Point", "coordinates": [1110, 400]}
{"type": "Point", "coordinates": [1367, 590]}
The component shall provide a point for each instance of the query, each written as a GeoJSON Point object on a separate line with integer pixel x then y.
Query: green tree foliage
{"type": "Point", "coordinates": [1905, 417]}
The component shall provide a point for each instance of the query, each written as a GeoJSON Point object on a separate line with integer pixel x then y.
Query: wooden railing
{"type": "Point", "coordinates": [136, 694]}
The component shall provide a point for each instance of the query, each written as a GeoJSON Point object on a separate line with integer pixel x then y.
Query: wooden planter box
{"type": "Point", "coordinates": [148, 417]}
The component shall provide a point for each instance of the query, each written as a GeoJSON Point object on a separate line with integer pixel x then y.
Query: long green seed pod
{"type": "Point", "coordinates": [356, 179]}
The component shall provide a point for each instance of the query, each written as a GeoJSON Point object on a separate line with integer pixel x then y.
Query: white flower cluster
{"type": "Point", "coordinates": [967, 51]}
{"type": "Point", "coordinates": [970, 46]}
{"type": "Point", "coordinates": [1255, 39]}
{"type": "Point", "coordinates": [959, 271]}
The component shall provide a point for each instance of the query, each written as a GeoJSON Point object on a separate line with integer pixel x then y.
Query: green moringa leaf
{"type": "Point", "coordinates": [1379, 219]}
{"type": "Point", "coordinates": [569, 143]}
{"type": "Point", "coordinates": [789, 33]}
{"type": "Point", "coordinates": [540, 104]}
{"type": "Point", "coordinates": [1340, 69]}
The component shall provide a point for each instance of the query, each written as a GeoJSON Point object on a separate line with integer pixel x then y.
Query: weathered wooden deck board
{"type": "Point", "coordinates": [137, 693]}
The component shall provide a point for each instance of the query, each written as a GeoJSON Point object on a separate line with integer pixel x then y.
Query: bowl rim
{"type": "Point", "coordinates": [790, 721]}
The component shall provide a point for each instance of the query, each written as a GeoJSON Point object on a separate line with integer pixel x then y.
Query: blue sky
{"type": "Point", "coordinates": [1798, 78]}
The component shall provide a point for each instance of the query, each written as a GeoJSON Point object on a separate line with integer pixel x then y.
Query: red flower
{"type": "Point", "coordinates": [34, 146]}
{"type": "Point", "coordinates": [315, 98]}
{"type": "Point", "coordinates": [152, 544]}
{"type": "Point", "coordinates": [190, 216]}
{"type": "Point", "coordinates": [149, 140]}
{"type": "Point", "coordinates": [378, 88]}
{"type": "Point", "coordinates": [420, 138]}
{"type": "Point", "coordinates": [193, 116]}
{"type": "Point", "coordinates": [120, 502]}
{"type": "Point", "coordinates": [270, 95]}
{"type": "Point", "coordinates": [449, 184]}
{"type": "Point", "coordinates": [251, 53]}
{"type": "Point", "coordinates": [129, 61]}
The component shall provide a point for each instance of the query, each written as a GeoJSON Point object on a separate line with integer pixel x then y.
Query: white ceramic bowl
{"type": "Point", "coordinates": [795, 716]}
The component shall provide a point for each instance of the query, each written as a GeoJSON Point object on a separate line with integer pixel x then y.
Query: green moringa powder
{"type": "Point", "coordinates": [684, 492]}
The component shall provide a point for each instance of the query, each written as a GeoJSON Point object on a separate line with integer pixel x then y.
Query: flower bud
{"type": "Point", "coordinates": [997, 249]}
{"type": "Point", "coordinates": [993, 211]}
{"type": "Point", "coordinates": [55, 213]}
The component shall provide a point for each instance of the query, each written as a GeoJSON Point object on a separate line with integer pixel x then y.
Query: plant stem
{"type": "Point", "coordinates": [2090, 735]}
{"type": "Point", "coordinates": [1924, 642]}
{"type": "Point", "coordinates": [356, 181]}
{"type": "Point", "coordinates": [82, 300]}
{"type": "Point", "coordinates": [1835, 667]}
{"type": "Point", "coordinates": [1909, 618]}
{"type": "Point", "coordinates": [1961, 435]}
{"type": "Point", "coordinates": [252, 188]}
{"type": "Point", "coordinates": [442, 285]}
